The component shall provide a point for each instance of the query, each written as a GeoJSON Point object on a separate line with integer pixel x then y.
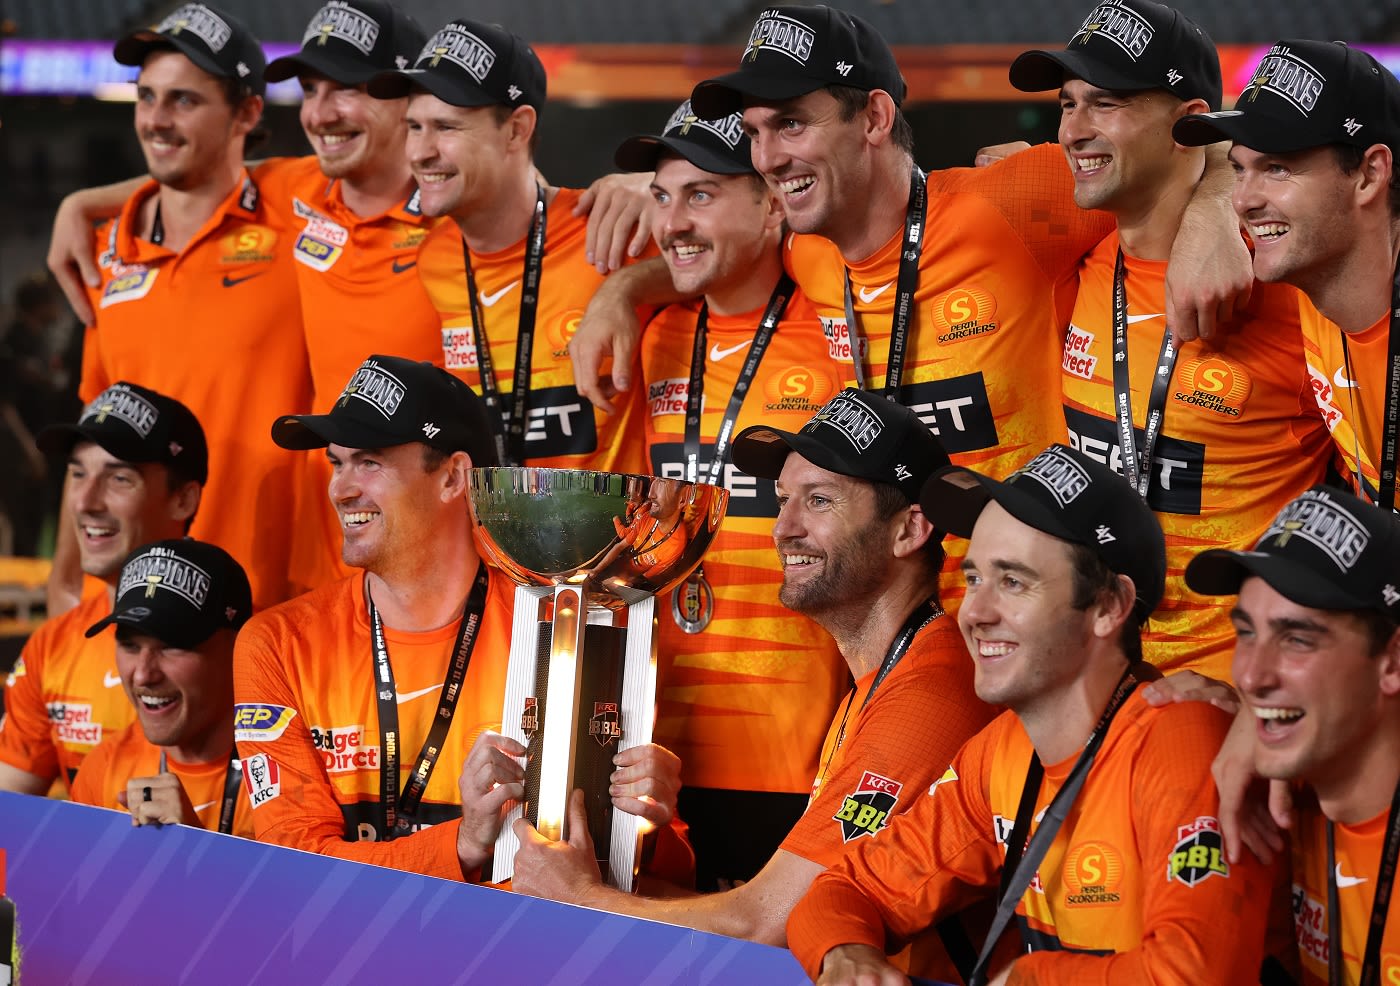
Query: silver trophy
{"type": "Point", "coordinates": [589, 551]}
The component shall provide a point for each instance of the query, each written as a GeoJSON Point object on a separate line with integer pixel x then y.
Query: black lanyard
{"type": "Point", "coordinates": [233, 779]}
{"type": "Point", "coordinates": [508, 416]}
{"type": "Point", "coordinates": [1137, 466]}
{"type": "Point", "coordinates": [1023, 857]}
{"type": "Point", "coordinates": [1390, 427]}
{"type": "Point", "coordinates": [777, 304]}
{"type": "Point", "coordinates": [1380, 906]}
{"type": "Point", "coordinates": [398, 807]}
{"type": "Point", "coordinates": [906, 286]}
{"type": "Point", "coordinates": [157, 227]}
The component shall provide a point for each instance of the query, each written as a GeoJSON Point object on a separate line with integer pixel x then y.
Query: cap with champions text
{"type": "Point", "coordinates": [717, 146]}
{"type": "Point", "coordinates": [1129, 46]}
{"type": "Point", "coordinates": [393, 401]}
{"type": "Point", "coordinates": [1064, 493]}
{"type": "Point", "coordinates": [215, 41]}
{"type": "Point", "coordinates": [135, 424]}
{"type": "Point", "coordinates": [181, 592]}
{"type": "Point", "coordinates": [350, 41]}
{"type": "Point", "coordinates": [1325, 550]}
{"type": "Point", "coordinates": [469, 64]}
{"type": "Point", "coordinates": [1306, 94]}
{"type": "Point", "coordinates": [856, 433]}
{"type": "Point", "coordinates": [796, 50]}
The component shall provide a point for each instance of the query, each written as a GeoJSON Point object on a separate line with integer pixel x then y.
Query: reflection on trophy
{"type": "Point", "coordinates": [589, 551]}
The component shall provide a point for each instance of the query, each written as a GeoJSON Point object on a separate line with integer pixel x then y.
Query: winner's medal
{"type": "Point", "coordinates": [693, 603]}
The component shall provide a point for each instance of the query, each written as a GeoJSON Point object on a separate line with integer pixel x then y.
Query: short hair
{"type": "Point", "coordinates": [433, 458]}
{"type": "Point", "coordinates": [1091, 578]}
{"type": "Point", "coordinates": [1378, 627]}
{"type": "Point", "coordinates": [177, 476]}
{"type": "Point", "coordinates": [890, 500]}
{"type": "Point", "coordinates": [503, 113]}
{"type": "Point", "coordinates": [851, 101]}
{"type": "Point", "coordinates": [1349, 157]}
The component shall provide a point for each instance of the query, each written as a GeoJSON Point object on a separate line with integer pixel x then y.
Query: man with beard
{"type": "Point", "coordinates": [861, 559]}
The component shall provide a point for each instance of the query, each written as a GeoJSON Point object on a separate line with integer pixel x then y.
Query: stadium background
{"type": "Point", "coordinates": [616, 67]}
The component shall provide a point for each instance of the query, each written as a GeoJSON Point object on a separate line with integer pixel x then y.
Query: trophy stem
{"type": "Point", "coordinates": [565, 681]}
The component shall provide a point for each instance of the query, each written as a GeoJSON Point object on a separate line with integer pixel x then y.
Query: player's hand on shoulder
{"type": "Point", "coordinates": [618, 207]}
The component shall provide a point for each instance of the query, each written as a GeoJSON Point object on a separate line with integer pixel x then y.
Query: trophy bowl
{"type": "Point", "coordinates": [621, 533]}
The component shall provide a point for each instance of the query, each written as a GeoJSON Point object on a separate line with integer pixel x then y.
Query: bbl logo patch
{"type": "Point", "coordinates": [1199, 852]}
{"type": "Point", "coordinates": [604, 725]}
{"type": "Point", "coordinates": [866, 810]}
{"type": "Point", "coordinates": [802, 389]}
{"type": "Point", "coordinates": [530, 718]}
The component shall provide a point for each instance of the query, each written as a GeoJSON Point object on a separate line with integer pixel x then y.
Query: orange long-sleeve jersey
{"type": "Point", "coordinates": [563, 430]}
{"type": "Point", "coordinates": [1240, 436]}
{"type": "Point", "coordinates": [64, 696]}
{"type": "Point", "coordinates": [129, 754]}
{"type": "Point", "coordinates": [1135, 887]}
{"type": "Point", "coordinates": [759, 676]}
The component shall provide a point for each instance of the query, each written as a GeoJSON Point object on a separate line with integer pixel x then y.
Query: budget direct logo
{"type": "Point", "coordinates": [343, 748]}
{"type": "Point", "coordinates": [962, 314]}
{"type": "Point", "coordinates": [73, 723]}
{"type": "Point", "coordinates": [800, 388]}
{"type": "Point", "coordinates": [1214, 384]}
{"type": "Point", "coordinates": [258, 723]}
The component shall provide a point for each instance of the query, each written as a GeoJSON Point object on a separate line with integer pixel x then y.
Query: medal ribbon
{"type": "Point", "coordinates": [1380, 906]}
{"type": "Point", "coordinates": [1137, 467]}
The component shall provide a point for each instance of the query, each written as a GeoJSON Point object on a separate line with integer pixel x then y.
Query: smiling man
{"type": "Point", "coordinates": [137, 463]}
{"type": "Point", "coordinates": [1113, 875]}
{"type": "Point", "coordinates": [1317, 664]}
{"type": "Point", "coordinates": [178, 607]}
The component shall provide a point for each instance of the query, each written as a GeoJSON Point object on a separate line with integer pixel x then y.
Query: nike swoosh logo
{"type": "Point", "coordinates": [110, 680]}
{"type": "Point", "coordinates": [231, 281]}
{"type": "Point", "coordinates": [1341, 382]}
{"type": "Point", "coordinates": [410, 696]}
{"type": "Point", "coordinates": [400, 268]}
{"type": "Point", "coordinates": [867, 295]}
{"type": "Point", "coordinates": [490, 299]}
{"type": "Point", "coordinates": [207, 804]}
{"type": "Point", "coordinates": [1134, 319]}
{"type": "Point", "coordinates": [1347, 881]}
{"type": "Point", "coordinates": [717, 354]}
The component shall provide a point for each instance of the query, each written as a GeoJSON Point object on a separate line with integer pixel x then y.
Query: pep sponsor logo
{"type": "Point", "coordinates": [344, 750]}
{"type": "Point", "coordinates": [1093, 874]}
{"type": "Point", "coordinates": [258, 723]}
{"type": "Point", "coordinates": [1214, 384]}
{"type": "Point", "coordinates": [668, 396]}
{"type": "Point", "coordinates": [314, 253]}
{"type": "Point", "coordinates": [963, 313]}
{"type": "Point", "coordinates": [801, 389]}
{"type": "Point", "coordinates": [129, 282]}
{"type": "Point", "coordinates": [73, 723]}
{"type": "Point", "coordinates": [251, 244]}
{"type": "Point", "coordinates": [1078, 359]}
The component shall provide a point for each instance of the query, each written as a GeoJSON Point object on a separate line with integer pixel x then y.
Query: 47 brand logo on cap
{"type": "Point", "coordinates": [1317, 519]}
{"type": "Point", "coordinates": [124, 405]}
{"type": "Point", "coordinates": [1118, 24]}
{"type": "Point", "coordinates": [1199, 852]}
{"type": "Point", "coordinates": [343, 22]}
{"type": "Point", "coordinates": [200, 21]}
{"type": "Point", "coordinates": [162, 569]}
{"type": "Point", "coordinates": [377, 387]}
{"type": "Point", "coordinates": [779, 33]}
{"type": "Point", "coordinates": [866, 810]}
{"type": "Point", "coordinates": [462, 48]}
{"type": "Point", "coordinates": [1285, 74]}
{"type": "Point", "coordinates": [1058, 473]}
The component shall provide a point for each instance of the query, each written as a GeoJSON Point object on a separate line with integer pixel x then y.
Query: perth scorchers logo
{"type": "Point", "coordinates": [252, 244]}
{"type": "Point", "coordinates": [1093, 873]}
{"type": "Point", "coordinates": [561, 332]}
{"type": "Point", "coordinates": [1213, 383]}
{"type": "Point", "coordinates": [799, 388]}
{"type": "Point", "coordinates": [866, 810]}
{"type": "Point", "coordinates": [962, 314]}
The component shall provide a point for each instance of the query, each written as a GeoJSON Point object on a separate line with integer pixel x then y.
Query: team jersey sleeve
{"type": "Point", "coordinates": [1203, 917]}
{"type": "Point", "coordinates": [26, 735]}
{"type": "Point", "coordinates": [93, 378]}
{"type": "Point", "coordinates": [89, 787]}
{"type": "Point", "coordinates": [1034, 192]}
{"type": "Point", "coordinates": [286, 783]}
{"type": "Point", "coordinates": [926, 864]}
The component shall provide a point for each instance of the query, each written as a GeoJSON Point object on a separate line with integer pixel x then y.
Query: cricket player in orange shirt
{"type": "Point", "coordinates": [509, 275]}
{"type": "Point", "coordinates": [1190, 425]}
{"type": "Point", "coordinates": [137, 463]}
{"type": "Point", "coordinates": [178, 608]}
{"type": "Point", "coordinates": [1317, 664]}
{"type": "Point", "coordinates": [1114, 874]}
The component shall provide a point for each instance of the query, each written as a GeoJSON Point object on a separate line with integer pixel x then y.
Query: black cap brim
{"type": "Point", "coordinates": [716, 98]}
{"type": "Point", "coordinates": [405, 82]}
{"type": "Point", "coordinates": [133, 49]}
{"type": "Point", "coordinates": [56, 439]}
{"type": "Point", "coordinates": [150, 624]}
{"type": "Point", "coordinates": [334, 65]}
{"type": "Point", "coordinates": [1042, 71]}
{"type": "Point", "coordinates": [643, 153]}
{"type": "Point", "coordinates": [954, 497]}
{"type": "Point", "coordinates": [1221, 572]}
{"type": "Point", "coordinates": [1252, 130]}
{"type": "Point", "coordinates": [300, 432]}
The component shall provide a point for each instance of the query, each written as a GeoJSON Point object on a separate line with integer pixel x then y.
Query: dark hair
{"type": "Point", "coordinates": [177, 475]}
{"type": "Point", "coordinates": [890, 500]}
{"type": "Point", "coordinates": [1378, 627]}
{"type": "Point", "coordinates": [433, 458]}
{"type": "Point", "coordinates": [503, 113]}
{"type": "Point", "coordinates": [851, 101]}
{"type": "Point", "coordinates": [1091, 578]}
{"type": "Point", "coordinates": [1349, 157]}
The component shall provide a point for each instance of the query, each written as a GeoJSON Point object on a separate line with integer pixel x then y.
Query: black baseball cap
{"type": "Point", "coordinates": [856, 433]}
{"type": "Point", "coordinates": [717, 146]}
{"type": "Point", "coordinates": [470, 64]}
{"type": "Point", "coordinates": [215, 41]}
{"type": "Point", "coordinates": [1306, 94]}
{"type": "Point", "coordinates": [1129, 46]}
{"type": "Point", "coordinates": [1325, 550]}
{"type": "Point", "coordinates": [1067, 495]}
{"type": "Point", "coordinates": [181, 592]}
{"type": "Point", "coordinates": [350, 41]}
{"type": "Point", "coordinates": [796, 50]}
{"type": "Point", "coordinates": [392, 401]}
{"type": "Point", "coordinates": [136, 425]}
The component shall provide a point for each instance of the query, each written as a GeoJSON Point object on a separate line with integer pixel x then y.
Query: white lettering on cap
{"type": "Point", "coordinates": [776, 32]}
{"type": "Point", "coordinates": [1113, 22]}
{"type": "Point", "coordinates": [1058, 473]}
{"type": "Point", "coordinates": [1285, 74]}
{"type": "Point", "coordinates": [850, 418]}
{"type": "Point", "coordinates": [124, 405]}
{"type": "Point", "coordinates": [1324, 524]}
{"type": "Point", "coordinates": [377, 387]}
{"type": "Point", "coordinates": [729, 129]}
{"type": "Point", "coordinates": [200, 21]}
{"type": "Point", "coordinates": [343, 22]}
{"type": "Point", "coordinates": [160, 569]}
{"type": "Point", "coordinates": [462, 48]}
